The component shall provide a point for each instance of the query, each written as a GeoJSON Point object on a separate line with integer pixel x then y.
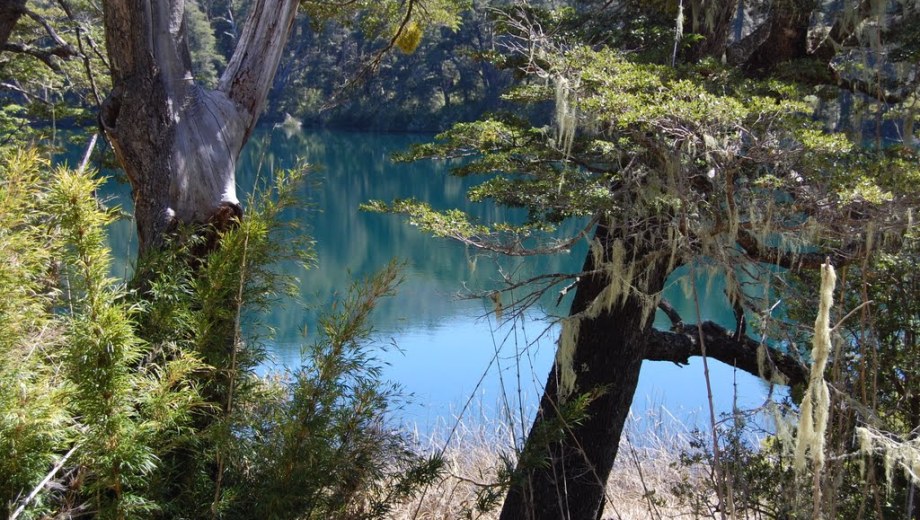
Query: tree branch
{"type": "Point", "coordinates": [374, 64]}
{"type": "Point", "coordinates": [671, 313]}
{"type": "Point", "coordinates": [57, 467]}
{"type": "Point", "coordinates": [683, 342]}
{"type": "Point", "coordinates": [50, 30]}
{"type": "Point", "coordinates": [252, 67]}
{"type": "Point", "coordinates": [46, 56]}
{"type": "Point", "coordinates": [792, 260]}
{"type": "Point", "coordinates": [28, 96]}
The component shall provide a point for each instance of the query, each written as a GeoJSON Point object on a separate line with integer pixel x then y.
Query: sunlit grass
{"type": "Point", "coordinates": [640, 485]}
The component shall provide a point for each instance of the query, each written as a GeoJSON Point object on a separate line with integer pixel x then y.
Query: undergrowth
{"type": "Point", "coordinates": [141, 400]}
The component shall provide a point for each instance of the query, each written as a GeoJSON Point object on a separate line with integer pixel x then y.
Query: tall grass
{"type": "Point", "coordinates": [641, 485]}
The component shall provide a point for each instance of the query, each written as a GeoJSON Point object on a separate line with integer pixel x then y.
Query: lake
{"type": "Point", "coordinates": [444, 349]}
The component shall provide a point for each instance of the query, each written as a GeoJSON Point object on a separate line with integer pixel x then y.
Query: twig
{"type": "Point", "coordinates": [852, 312]}
{"type": "Point", "coordinates": [716, 455]}
{"type": "Point", "coordinates": [88, 153]}
{"type": "Point", "coordinates": [57, 467]}
{"type": "Point", "coordinates": [374, 64]}
{"type": "Point", "coordinates": [652, 508]}
{"type": "Point", "coordinates": [233, 371]}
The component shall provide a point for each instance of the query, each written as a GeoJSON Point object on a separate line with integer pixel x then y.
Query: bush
{"type": "Point", "coordinates": [144, 402]}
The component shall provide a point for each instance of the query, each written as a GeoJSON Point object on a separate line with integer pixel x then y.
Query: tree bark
{"type": "Point", "coordinates": [574, 460]}
{"type": "Point", "coordinates": [608, 355]}
{"type": "Point", "coordinates": [178, 142]}
{"type": "Point", "coordinates": [607, 360]}
{"type": "Point", "coordinates": [788, 35]}
{"type": "Point", "coordinates": [683, 342]}
{"type": "Point", "coordinates": [10, 13]}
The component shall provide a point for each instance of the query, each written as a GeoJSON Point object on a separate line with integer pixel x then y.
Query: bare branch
{"type": "Point", "coordinates": [683, 342]}
{"type": "Point", "coordinates": [251, 69]}
{"type": "Point", "coordinates": [47, 56]}
{"type": "Point", "coordinates": [374, 64]}
{"type": "Point", "coordinates": [29, 96]}
{"type": "Point", "coordinates": [57, 467]}
{"type": "Point", "coordinates": [48, 29]}
{"type": "Point", "coordinates": [671, 313]}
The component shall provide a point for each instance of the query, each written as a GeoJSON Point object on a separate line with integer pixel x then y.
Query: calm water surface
{"type": "Point", "coordinates": [445, 350]}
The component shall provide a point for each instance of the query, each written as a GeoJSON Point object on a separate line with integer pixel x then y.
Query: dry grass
{"type": "Point", "coordinates": [639, 486]}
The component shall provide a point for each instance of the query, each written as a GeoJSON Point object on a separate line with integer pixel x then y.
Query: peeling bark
{"type": "Point", "coordinates": [177, 141]}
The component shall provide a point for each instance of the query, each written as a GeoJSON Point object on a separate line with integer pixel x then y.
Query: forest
{"type": "Point", "coordinates": [625, 156]}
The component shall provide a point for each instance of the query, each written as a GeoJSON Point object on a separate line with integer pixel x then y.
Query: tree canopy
{"type": "Point", "coordinates": [709, 135]}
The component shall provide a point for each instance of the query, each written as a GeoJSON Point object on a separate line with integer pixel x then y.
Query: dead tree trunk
{"type": "Point", "coordinates": [179, 142]}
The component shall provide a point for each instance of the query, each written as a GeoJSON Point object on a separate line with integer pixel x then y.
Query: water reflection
{"type": "Point", "coordinates": [353, 168]}
{"type": "Point", "coordinates": [449, 350]}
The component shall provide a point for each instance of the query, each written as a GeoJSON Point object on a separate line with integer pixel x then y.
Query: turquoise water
{"type": "Point", "coordinates": [443, 348]}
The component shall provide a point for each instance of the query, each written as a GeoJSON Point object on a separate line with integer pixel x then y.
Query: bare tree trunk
{"type": "Point", "coordinates": [10, 13]}
{"type": "Point", "coordinates": [178, 142]}
{"type": "Point", "coordinates": [608, 355]}
{"type": "Point", "coordinates": [788, 35]}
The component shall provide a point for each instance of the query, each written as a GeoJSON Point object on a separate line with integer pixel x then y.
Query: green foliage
{"type": "Point", "coordinates": [101, 349]}
{"type": "Point", "coordinates": [445, 78]}
{"type": "Point", "coordinates": [207, 62]}
{"type": "Point", "coordinates": [70, 381]}
{"type": "Point", "coordinates": [34, 423]}
{"type": "Point", "coordinates": [658, 142]}
{"type": "Point", "coordinates": [149, 398]}
{"type": "Point", "coordinates": [695, 160]}
{"type": "Point", "coordinates": [761, 476]}
{"type": "Point", "coordinates": [52, 70]}
{"type": "Point", "coordinates": [326, 433]}
{"type": "Point", "coordinates": [383, 19]}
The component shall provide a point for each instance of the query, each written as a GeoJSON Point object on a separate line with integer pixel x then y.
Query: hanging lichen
{"type": "Point", "coordinates": [565, 370]}
{"type": "Point", "coordinates": [409, 37]}
{"type": "Point", "coordinates": [783, 426]}
{"type": "Point", "coordinates": [618, 273]}
{"type": "Point", "coordinates": [903, 454]}
{"type": "Point", "coordinates": [816, 403]}
{"type": "Point", "coordinates": [565, 115]}
{"type": "Point", "coordinates": [497, 305]}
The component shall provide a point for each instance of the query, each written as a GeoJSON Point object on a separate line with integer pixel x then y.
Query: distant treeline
{"type": "Point", "coordinates": [326, 78]}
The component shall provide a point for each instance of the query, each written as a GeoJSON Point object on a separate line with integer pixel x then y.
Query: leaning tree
{"type": "Point", "coordinates": [691, 134]}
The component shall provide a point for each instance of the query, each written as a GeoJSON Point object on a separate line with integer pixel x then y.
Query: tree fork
{"type": "Point", "coordinates": [177, 141]}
